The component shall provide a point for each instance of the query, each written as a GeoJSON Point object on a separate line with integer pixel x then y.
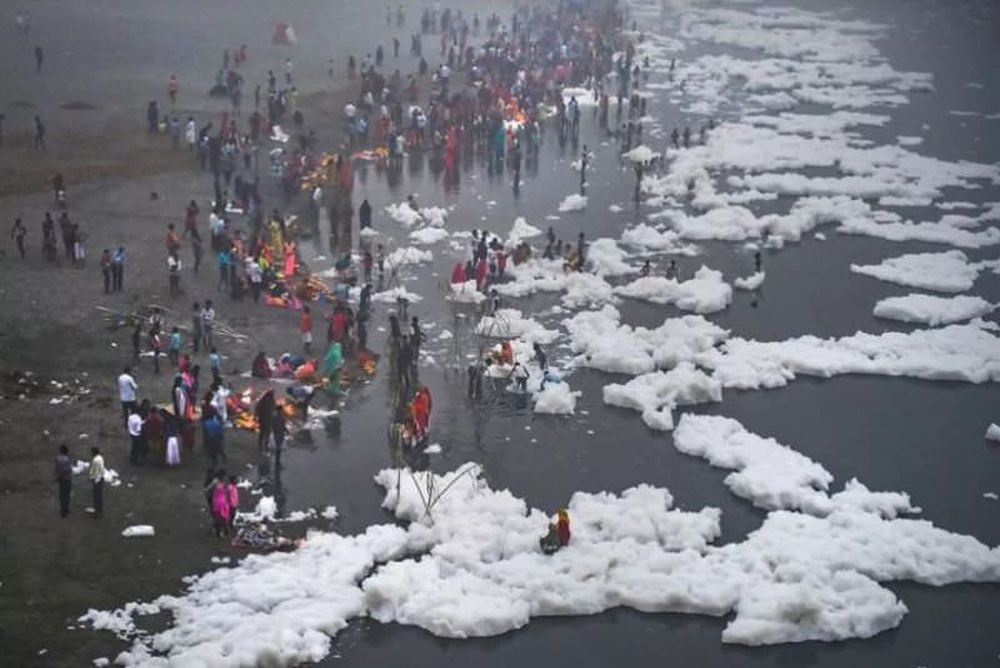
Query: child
{"type": "Point", "coordinates": [174, 348]}
{"type": "Point", "coordinates": [233, 494]}
{"type": "Point", "coordinates": [305, 327]}
{"type": "Point", "coordinates": [215, 363]}
{"type": "Point", "coordinates": [220, 505]}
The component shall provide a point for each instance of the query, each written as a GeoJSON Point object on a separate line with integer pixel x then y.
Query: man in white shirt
{"type": "Point", "coordinates": [219, 403]}
{"type": "Point", "coordinates": [208, 324]}
{"type": "Point", "coordinates": [135, 423]}
{"type": "Point", "coordinates": [127, 388]}
{"type": "Point", "coordinates": [256, 277]}
{"type": "Point", "coordinates": [96, 474]}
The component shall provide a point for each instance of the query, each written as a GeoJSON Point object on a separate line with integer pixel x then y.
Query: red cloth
{"type": "Point", "coordinates": [458, 273]}
{"type": "Point", "coordinates": [481, 270]}
{"type": "Point", "coordinates": [562, 529]}
{"type": "Point", "coordinates": [338, 324]}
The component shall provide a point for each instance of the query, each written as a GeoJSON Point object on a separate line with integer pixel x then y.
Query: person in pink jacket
{"type": "Point", "coordinates": [220, 505]}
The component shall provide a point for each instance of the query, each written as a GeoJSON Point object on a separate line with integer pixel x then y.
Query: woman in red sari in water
{"type": "Point", "coordinates": [421, 412]}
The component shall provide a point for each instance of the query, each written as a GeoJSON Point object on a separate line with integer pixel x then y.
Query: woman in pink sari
{"type": "Point", "coordinates": [220, 506]}
{"type": "Point", "coordinates": [289, 259]}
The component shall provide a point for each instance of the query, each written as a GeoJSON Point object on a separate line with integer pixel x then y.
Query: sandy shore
{"type": "Point", "coordinates": [54, 569]}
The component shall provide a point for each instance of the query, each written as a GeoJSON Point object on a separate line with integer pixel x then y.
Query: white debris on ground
{"type": "Point", "coordinates": [574, 202]}
{"type": "Point", "coordinates": [111, 477]}
{"type": "Point", "coordinates": [751, 282]}
{"type": "Point", "coordinates": [641, 154]}
{"type": "Point", "coordinates": [276, 609]}
{"type": "Point", "coordinates": [932, 310]}
{"type": "Point", "coordinates": [556, 398]}
{"type": "Point", "coordinates": [392, 295]}
{"type": "Point", "coordinates": [266, 510]}
{"type": "Point", "coordinates": [465, 293]}
{"type": "Point", "coordinates": [428, 235]}
{"type": "Point", "coordinates": [409, 255]}
{"type": "Point", "coordinates": [993, 432]}
{"type": "Point", "coordinates": [139, 531]}
{"type": "Point", "coordinates": [949, 271]}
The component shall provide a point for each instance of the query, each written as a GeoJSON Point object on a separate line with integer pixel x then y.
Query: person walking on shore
{"type": "Point", "coordinates": [127, 388]}
{"type": "Point", "coordinates": [135, 434]}
{"type": "Point", "coordinates": [105, 264]}
{"type": "Point", "coordinates": [17, 233]}
{"type": "Point", "coordinates": [173, 85]}
{"type": "Point", "coordinates": [265, 414]}
{"type": "Point", "coordinates": [196, 331]}
{"type": "Point", "coordinates": [64, 478]}
{"type": "Point", "coordinates": [118, 269]}
{"type": "Point", "coordinates": [39, 140]}
{"type": "Point", "coordinates": [365, 215]}
{"type": "Point", "coordinates": [208, 325]}
{"type": "Point", "coordinates": [96, 473]}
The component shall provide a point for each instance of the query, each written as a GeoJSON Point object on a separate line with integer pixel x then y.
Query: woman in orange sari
{"type": "Point", "coordinates": [421, 411]}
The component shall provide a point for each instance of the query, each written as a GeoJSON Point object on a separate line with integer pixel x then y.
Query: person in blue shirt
{"type": "Point", "coordinates": [215, 363]}
{"type": "Point", "coordinates": [118, 269]}
{"type": "Point", "coordinates": [174, 346]}
{"type": "Point", "coordinates": [225, 258]}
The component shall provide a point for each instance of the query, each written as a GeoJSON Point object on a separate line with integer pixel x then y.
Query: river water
{"type": "Point", "coordinates": [894, 434]}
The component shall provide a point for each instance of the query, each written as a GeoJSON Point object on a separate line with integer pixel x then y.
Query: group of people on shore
{"type": "Point", "coordinates": [512, 82]}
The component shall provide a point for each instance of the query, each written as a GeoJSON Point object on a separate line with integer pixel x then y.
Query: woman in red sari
{"type": "Point", "coordinates": [421, 411]}
{"type": "Point", "coordinates": [289, 266]}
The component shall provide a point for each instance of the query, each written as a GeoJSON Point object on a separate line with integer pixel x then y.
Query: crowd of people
{"type": "Point", "coordinates": [492, 97]}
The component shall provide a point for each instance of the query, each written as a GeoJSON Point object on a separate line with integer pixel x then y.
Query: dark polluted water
{"type": "Point", "coordinates": [894, 434]}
